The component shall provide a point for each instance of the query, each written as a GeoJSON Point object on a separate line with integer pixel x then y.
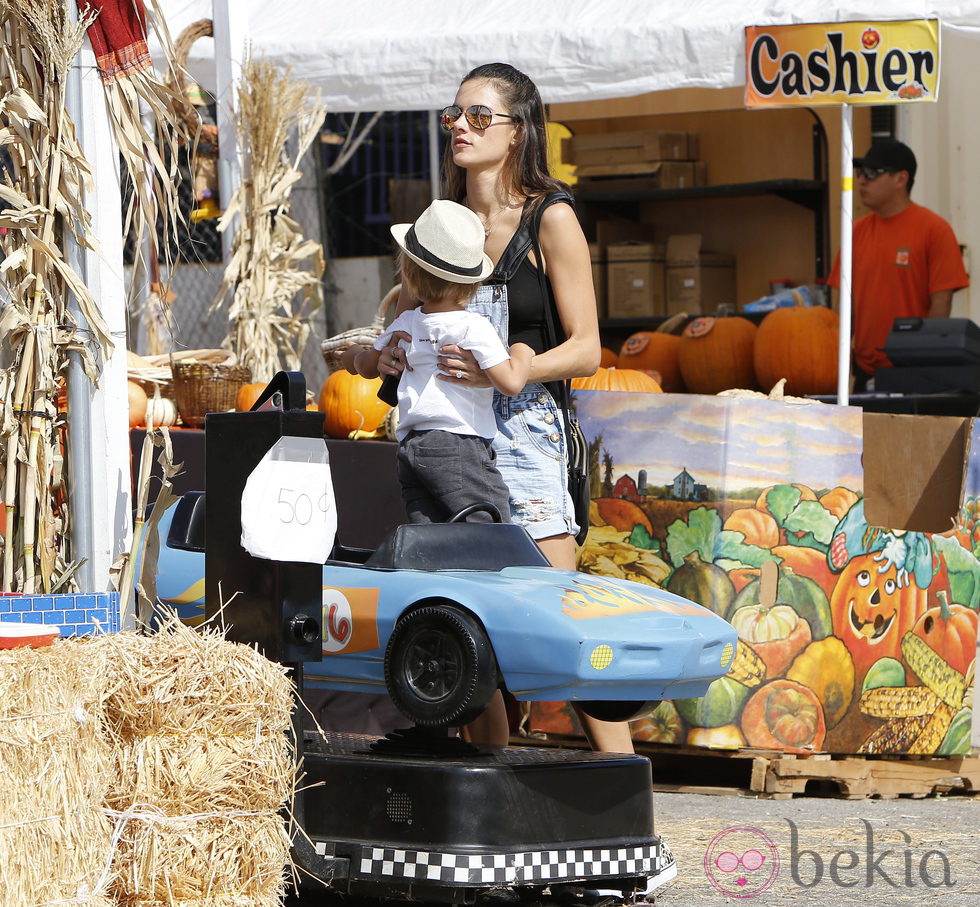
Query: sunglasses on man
{"type": "Point", "coordinates": [872, 173]}
{"type": "Point", "coordinates": [479, 116]}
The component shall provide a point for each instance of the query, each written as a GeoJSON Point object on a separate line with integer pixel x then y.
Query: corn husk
{"type": "Point", "coordinates": [271, 264]}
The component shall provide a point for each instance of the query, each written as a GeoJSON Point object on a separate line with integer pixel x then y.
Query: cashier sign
{"type": "Point", "coordinates": [288, 508]}
{"type": "Point", "coordinates": [842, 63]}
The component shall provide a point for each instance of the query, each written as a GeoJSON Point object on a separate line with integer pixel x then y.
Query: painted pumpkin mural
{"type": "Point", "coordinates": [869, 644]}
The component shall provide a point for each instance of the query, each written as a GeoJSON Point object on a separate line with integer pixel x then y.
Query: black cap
{"type": "Point", "coordinates": [887, 154]}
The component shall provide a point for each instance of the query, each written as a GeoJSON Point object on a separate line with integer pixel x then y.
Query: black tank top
{"type": "Point", "coordinates": [514, 270]}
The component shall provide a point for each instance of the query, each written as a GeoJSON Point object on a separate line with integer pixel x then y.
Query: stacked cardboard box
{"type": "Point", "coordinates": [697, 281]}
{"type": "Point", "coordinates": [667, 159]}
{"type": "Point", "coordinates": [635, 280]}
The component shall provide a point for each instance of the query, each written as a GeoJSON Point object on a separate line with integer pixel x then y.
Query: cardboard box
{"type": "Point", "coordinates": [635, 280]}
{"type": "Point", "coordinates": [636, 145]}
{"type": "Point", "coordinates": [658, 174]}
{"type": "Point", "coordinates": [617, 229]}
{"type": "Point", "coordinates": [697, 281]}
{"type": "Point", "coordinates": [598, 256]}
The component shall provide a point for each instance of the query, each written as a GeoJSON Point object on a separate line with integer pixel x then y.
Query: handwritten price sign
{"type": "Point", "coordinates": [288, 508]}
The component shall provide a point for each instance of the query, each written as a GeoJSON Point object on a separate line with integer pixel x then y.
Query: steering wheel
{"type": "Point", "coordinates": [476, 508]}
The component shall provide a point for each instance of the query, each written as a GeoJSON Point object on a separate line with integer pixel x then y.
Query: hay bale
{"type": "Point", "coordinates": [55, 837]}
{"type": "Point", "coordinates": [205, 765]}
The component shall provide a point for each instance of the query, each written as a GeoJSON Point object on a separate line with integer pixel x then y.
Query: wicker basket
{"type": "Point", "coordinates": [333, 347]}
{"type": "Point", "coordinates": [204, 387]}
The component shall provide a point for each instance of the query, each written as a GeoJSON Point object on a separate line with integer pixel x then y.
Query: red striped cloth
{"type": "Point", "coordinates": [118, 36]}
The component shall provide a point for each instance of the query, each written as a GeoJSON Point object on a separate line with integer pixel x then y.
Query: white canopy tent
{"type": "Point", "coordinates": [393, 55]}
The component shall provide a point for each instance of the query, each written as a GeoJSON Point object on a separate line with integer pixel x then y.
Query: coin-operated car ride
{"type": "Point", "coordinates": [443, 614]}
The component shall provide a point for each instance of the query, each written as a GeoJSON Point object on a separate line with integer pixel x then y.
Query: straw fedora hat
{"type": "Point", "coordinates": [447, 240]}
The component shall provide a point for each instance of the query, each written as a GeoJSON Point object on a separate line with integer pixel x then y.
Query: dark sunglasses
{"type": "Point", "coordinates": [479, 116]}
{"type": "Point", "coordinates": [872, 173]}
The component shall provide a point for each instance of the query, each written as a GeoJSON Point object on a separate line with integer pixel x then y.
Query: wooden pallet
{"type": "Point", "coordinates": [776, 775]}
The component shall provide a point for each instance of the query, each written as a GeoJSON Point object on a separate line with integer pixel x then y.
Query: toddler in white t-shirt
{"type": "Point", "coordinates": [445, 459]}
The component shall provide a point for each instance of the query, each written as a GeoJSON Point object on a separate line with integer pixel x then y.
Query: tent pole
{"type": "Point", "coordinates": [846, 226]}
{"type": "Point", "coordinates": [433, 123]}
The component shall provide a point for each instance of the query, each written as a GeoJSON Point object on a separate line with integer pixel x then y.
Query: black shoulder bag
{"type": "Point", "coordinates": [576, 448]}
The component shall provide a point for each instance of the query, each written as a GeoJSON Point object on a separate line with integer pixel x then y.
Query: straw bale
{"type": "Point", "coordinates": [238, 857]}
{"type": "Point", "coordinates": [55, 837]}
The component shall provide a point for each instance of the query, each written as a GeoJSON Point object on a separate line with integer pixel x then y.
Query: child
{"type": "Point", "coordinates": [445, 460]}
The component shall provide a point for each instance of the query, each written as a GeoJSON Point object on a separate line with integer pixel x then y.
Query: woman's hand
{"type": "Point", "coordinates": [393, 359]}
{"type": "Point", "coordinates": [460, 366]}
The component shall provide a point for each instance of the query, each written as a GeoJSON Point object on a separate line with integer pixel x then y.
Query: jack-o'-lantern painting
{"type": "Point", "coordinates": [864, 638]}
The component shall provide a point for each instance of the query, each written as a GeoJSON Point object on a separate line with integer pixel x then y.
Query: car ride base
{"type": "Point", "coordinates": [450, 822]}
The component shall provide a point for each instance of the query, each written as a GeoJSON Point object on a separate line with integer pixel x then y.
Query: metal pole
{"type": "Point", "coordinates": [433, 122]}
{"type": "Point", "coordinates": [79, 386]}
{"type": "Point", "coordinates": [846, 226]}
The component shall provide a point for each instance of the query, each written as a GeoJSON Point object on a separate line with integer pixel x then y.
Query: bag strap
{"type": "Point", "coordinates": [551, 320]}
{"type": "Point", "coordinates": [521, 244]}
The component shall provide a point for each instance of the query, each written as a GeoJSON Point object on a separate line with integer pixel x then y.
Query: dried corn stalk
{"type": "Point", "coordinates": [40, 206]}
{"type": "Point", "coordinates": [271, 262]}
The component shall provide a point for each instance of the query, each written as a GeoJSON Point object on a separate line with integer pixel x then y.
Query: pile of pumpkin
{"type": "Point", "coordinates": [349, 403]}
{"type": "Point", "coordinates": [711, 355]}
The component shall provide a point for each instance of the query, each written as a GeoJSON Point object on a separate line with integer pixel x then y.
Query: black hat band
{"type": "Point", "coordinates": [413, 245]}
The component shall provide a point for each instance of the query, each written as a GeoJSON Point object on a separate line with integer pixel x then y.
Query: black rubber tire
{"type": "Point", "coordinates": [439, 667]}
{"type": "Point", "coordinates": [617, 709]}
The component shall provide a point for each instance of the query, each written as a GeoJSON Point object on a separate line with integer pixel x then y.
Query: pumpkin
{"type": "Point", "coordinates": [951, 632]}
{"type": "Point", "coordinates": [715, 354]}
{"type": "Point", "coordinates": [618, 379]}
{"type": "Point", "coordinates": [776, 634]}
{"type": "Point", "coordinates": [663, 725]}
{"type": "Point", "coordinates": [248, 394]}
{"type": "Point", "coordinates": [350, 403]}
{"type": "Point", "coordinates": [758, 528]}
{"type": "Point", "coordinates": [872, 611]}
{"type": "Point", "coordinates": [826, 667]}
{"type": "Point", "coordinates": [719, 706]}
{"type": "Point", "coordinates": [811, 563]}
{"type": "Point", "coordinates": [706, 584]}
{"type": "Point", "coordinates": [728, 737]}
{"type": "Point", "coordinates": [838, 501]}
{"type": "Point", "coordinates": [161, 412]}
{"type": "Point", "coordinates": [801, 593]}
{"type": "Point", "coordinates": [656, 351]}
{"type": "Point", "coordinates": [137, 404]}
{"type": "Point", "coordinates": [786, 715]}
{"type": "Point", "coordinates": [621, 514]}
{"type": "Point", "coordinates": [608, 358]}
{"type": "Point", "coordinates": [798, 343]}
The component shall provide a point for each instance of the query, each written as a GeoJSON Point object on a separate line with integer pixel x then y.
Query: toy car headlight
{"type": "Point", "coordinates": [727, 654]}
{"type": "Point", "coordinates": [601, 657]}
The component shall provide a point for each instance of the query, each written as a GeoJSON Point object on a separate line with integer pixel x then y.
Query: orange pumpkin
{"type": "Point", "coordinates": [618, 379]}
{"type": "Point", "coordinates": [350, 403]}
{"type": "Point", "coordinates": [247, 395]}
{"type": "Point", "coordinates": [621, 514]}
{"type": "Point", "coordinates": [871, 611]}
{"type": "Point", "coordinates": [838, 501]}
{"type": "Point", "coordinates": [798, 343]}
{"type": "Point", "coordinates": [951, 632]}
{"type": "Point", "coordinates": [777, 634]}
{"type": "Point", "coordinates": [785, 715]}
{"type": "Point", "coordinates": [608, 358]}
{"type": "Point", "coordinates": [715, 354]}
{"type": "Point", "coordinates": [137, 404]}
{"type": "Point", "coordinates": [758, 528]}
{"type": "Point", "coordinates": [656, 351]}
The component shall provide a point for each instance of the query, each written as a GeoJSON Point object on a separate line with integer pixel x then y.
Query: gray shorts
{"type": "Point", "coordinates": [441, 473]}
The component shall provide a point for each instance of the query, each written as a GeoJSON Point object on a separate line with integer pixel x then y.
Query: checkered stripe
{"type": "Point", "coordinates": [534, 867]}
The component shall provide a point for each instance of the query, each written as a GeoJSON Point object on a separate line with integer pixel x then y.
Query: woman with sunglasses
{"type": "Point", "coordinates": [496, 164]}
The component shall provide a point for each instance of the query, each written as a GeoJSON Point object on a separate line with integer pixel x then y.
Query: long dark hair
{"type": "Point", "coordinates": [527, 164]}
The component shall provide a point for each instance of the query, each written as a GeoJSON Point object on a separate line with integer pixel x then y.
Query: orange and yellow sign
{"type": "Point", "coordinates": [842, 63]}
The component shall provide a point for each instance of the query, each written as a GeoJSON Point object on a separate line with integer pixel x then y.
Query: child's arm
{"type": "Point", "coordinates": [366, 363]}
{"type": "Point", "coordinates": [510, 376]}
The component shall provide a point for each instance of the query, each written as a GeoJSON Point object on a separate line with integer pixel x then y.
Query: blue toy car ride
{"type": "Point", "coordinates": [440, 615]}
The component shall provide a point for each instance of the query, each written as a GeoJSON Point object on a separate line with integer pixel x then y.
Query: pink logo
{"type": "Point", "coordinates": [741, 861]}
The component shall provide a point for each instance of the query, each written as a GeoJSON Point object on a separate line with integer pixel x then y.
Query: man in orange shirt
{"type": "Point", "coordinates": [906, 261]}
